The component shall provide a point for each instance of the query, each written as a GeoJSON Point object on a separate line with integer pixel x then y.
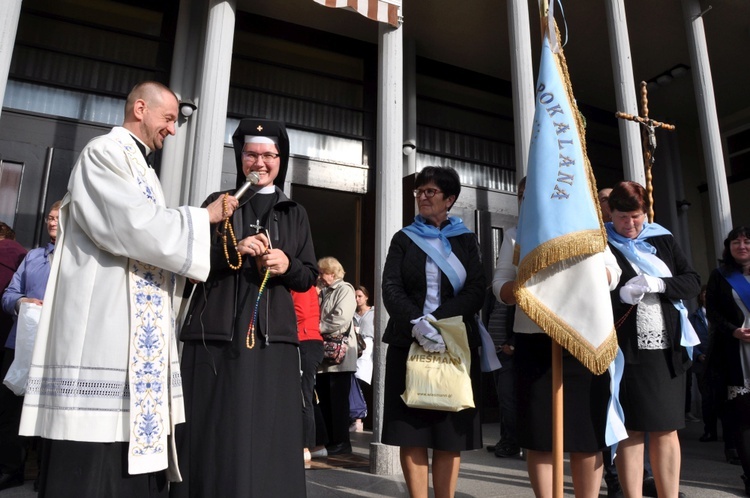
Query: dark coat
{"type": "Point", "coordinates": [698, 319]}
{"type": "Point", "coordinates": [11, 256]}
{"type": "Point", "coordinates": [724, 316]}
{"type": "Point", "coordinates": [405, 288]}
{"type": "Point", "coordinates": [683, 284]}
{"type": "Point", "coordinates": [217, 311]}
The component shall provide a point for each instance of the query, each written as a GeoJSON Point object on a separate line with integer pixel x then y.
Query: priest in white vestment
{"type": "Point", "coordinates": [105, 366]}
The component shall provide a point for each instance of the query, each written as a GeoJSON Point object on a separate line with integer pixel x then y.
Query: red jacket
{"type": "Point", "coordinates": [308, 315]}
{"type": "Point", "coordinates": [11, 255]}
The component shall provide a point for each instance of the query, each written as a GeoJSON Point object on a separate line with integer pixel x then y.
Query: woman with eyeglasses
{"type": "Point", "coordinates": [433, 270]}
{"type": "Point", "coordinates": [728, 314]}
{"type": "Point", "coordinates": [240, 362]}
{"type": "Point", "coordinates": [27, 285]}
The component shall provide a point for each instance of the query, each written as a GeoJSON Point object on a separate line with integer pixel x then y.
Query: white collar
{"type": "Point", "coordinates": [268, 189]}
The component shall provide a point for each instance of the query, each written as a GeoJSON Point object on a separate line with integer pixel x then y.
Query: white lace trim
{"type": "Point", "coordinates": [650, 324]}
{"type": "Point", "coordinates": [734, 391]}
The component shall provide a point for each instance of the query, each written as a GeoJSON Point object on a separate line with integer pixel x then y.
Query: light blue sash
{"type": "Point", "coordinates": [419, 231]}
{"type": "Point", "coordinates": [631, 248]}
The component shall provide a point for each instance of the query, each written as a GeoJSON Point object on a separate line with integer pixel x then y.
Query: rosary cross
{"type": "Point", "coordinates": [649, 142]}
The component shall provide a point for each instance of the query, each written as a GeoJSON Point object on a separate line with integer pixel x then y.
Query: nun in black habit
{"type": "Point", "coordinates": [240, 362]}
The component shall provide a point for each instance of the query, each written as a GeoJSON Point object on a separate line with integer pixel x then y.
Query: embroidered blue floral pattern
{"type": "Point", "coordinates": [149, 356]}
{"type": "Point", "coordinates": [146, 189]}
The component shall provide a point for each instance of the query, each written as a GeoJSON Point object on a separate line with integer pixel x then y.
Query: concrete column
{"type": "Point", "coordinates": [522, 79]}
{"type": "Point", "coordinates": [622, 72]}
{"type": "Point", "coordinates": [410, 108]}
{"type": "Point", "coordinates": [718, 193]}
{"type": "Point", "coordinates": [384, 459]}
{"type": "Point", "coordinates": [178, 150]}
{"type": "Point", "coordinates": [212, 101]}
{"type": "Point", "coordinates": [9, 16]}
{"type": "Point", "coordinates": [666, 205]}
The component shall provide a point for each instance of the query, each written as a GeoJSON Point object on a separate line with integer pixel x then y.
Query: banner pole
{"type": "Point", "coordinates": [557, 380]}
{"type": "Point", "coordinates": [557, 421]}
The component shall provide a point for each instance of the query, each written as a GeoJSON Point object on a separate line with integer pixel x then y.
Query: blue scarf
{"type": "Point", "coordinates": [419, 231]}
{"type": "Point", "coordinates": [633, 249]}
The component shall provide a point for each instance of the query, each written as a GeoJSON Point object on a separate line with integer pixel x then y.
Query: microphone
{"type": "Point", "coordinates": [251, 179]}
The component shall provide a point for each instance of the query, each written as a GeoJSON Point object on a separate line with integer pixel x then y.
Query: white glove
{"type": "Point", "coordinates": [632, 293]}
{"type": "Point", "coordinates": [653, 284]}
{"type": "Point", "coordinates": [427, 336]}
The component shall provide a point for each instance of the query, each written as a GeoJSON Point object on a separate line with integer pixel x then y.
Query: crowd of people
{"type": "Point", "coordinates": [277, 350]}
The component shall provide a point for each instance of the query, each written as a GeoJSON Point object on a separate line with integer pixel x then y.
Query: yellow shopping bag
{"type": "Point", "coordinates": [440, 381]}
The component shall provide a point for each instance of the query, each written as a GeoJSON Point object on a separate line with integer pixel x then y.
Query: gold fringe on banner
{"type": "Point", "coordinates": [595, 360]}
{"type": "Point", "coordinates": [559, 249]}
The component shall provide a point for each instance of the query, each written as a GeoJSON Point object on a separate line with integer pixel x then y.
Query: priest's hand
{"type": "Point", "coordinates": [218, 210]}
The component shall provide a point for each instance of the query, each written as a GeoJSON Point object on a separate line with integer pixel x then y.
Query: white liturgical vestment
{"type": "Point", "coordinates": [105, 365]}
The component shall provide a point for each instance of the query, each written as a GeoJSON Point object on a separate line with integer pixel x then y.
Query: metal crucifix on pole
{"type": "Point", "coordinates": [648, 132]}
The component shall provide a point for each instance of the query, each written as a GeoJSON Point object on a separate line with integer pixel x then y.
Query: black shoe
{"type": "Point", "coordinates": [707, 437]}
{"type": "Point", "coordinates": [491, 448]}
{"type": "Point", "coordinates": [649, 487]}
{"type": "Point", "coordinates": [339, 449]}
{"type": "Point", "coordinates": [507, 449]}
{"type": "Point", "coordinates": [732, 456]}
{"type": "Point", "coordinates": [614, 490]}
{"type": "Point", "coordinates": [11, 480]}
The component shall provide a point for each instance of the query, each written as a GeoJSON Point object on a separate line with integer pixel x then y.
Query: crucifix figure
{"type": "Point", "coordinates": [649, 142]}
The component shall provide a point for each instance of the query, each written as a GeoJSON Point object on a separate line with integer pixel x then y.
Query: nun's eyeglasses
{"type": "Point", "coordinates": [253, 156]}
{"type": "Point", "coordinates": [428, 192]}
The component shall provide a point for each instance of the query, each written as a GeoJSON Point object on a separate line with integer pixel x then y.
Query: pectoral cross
{"type": "Point", "coordinates": [258, 227]}
{"type": "Point", "coordinates": [649, 142]}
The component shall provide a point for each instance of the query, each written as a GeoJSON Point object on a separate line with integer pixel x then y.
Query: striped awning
{"type": "Point", "coordinates": [386, 11]}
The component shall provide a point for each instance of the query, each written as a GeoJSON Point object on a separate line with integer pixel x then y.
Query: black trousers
{"type": "Point", "coordinates": [333, 390]}
{"type": "Point", "coordinates": [12, 446]}
{"type": "Point", "coordinates": [505, 384]}
{"type": "Point", "coordinates": [708, 398]}
{"type": "Point", "coordinates": [73, 469]}
{"type": "Point", "coordinates": [311, 355]}
{"type": "Point", "coordinates": [738, 413]}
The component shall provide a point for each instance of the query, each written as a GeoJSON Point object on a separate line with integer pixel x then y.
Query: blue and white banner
{"type": "Point", "coordinates": [562, 280]}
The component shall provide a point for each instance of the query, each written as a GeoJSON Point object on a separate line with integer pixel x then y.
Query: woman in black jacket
{"type": "Point", "coordinates": [653, 332]}
{"type": "Point", "coordinates": [417, 291]}
{"type": "Point", "coordinates": [240, 361]}
{"type": "Point", "coordinates": [727, 311]}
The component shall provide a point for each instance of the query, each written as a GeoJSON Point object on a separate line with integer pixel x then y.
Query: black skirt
{"type": "Point", "coordinates": [652, 397]}
{"type": "Point", "coordinates": [585, 398]}
{"type": "Point", "coordinates": [445, 431]}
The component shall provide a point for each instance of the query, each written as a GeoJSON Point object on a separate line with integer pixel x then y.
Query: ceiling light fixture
{"type": "Point", "coordinates": [666, 77]}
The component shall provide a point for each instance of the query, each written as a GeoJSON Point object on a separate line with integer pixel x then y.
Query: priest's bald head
{"type": "Point", "coordinates": [151, 112]}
